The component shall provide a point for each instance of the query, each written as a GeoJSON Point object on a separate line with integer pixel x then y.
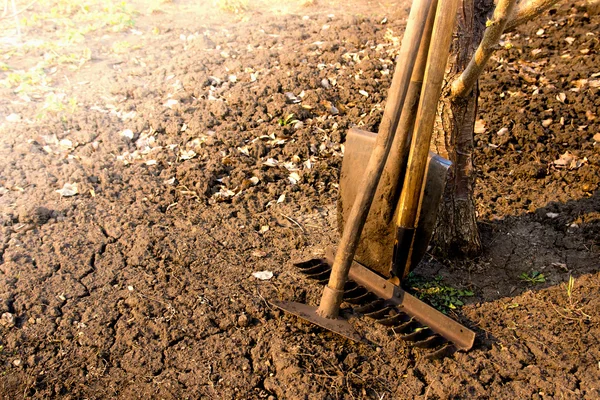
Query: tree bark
{"type": "Point", "coordinates": [456, 232]}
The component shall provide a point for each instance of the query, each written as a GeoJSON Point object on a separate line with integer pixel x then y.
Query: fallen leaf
{"type": "Point", "coordinates": [597, 138]}
{"type": "Point", "coordinates": [503, 131]}
{"type": "Point", "coordinates": [170, 103]}
{"type": "Point", "coordinates": [128, 133]}
{"type": "Point", "coordinates": [271, 162]}
{"type": "Point", "coordinates": [536, 51]}
{"type": "Point", "coordinates": [569, 40]}
{"type": "Point", "coordinates": [263, 275]}
{"type": "Point", "coordinates": [363, 93]}
{"type": "Point", "coordinates": [579, 83]}
{"type": "Point", "coordinates": [570, 161]}
{"type": "Point", "coordinates": [66, 144]}
{"type": "Point", "coordinates": [294, 178]}
{"type": "Point", "coordinates": [479, 126]}
{"type": "Point", "coordinates": [561, 97]}
{"type": "Point", "coordinates": [281, 198]}
{"type": "Point", "coordinates": [151, 162]}
{"type": "Point", "coordinates": [68, 190]}
{"type": "Point", "coordinates": [187, 154]}
{"type": "Point", "coordinates": [291, 98]}
{"type": "Point", "coordinates": [13, 117]}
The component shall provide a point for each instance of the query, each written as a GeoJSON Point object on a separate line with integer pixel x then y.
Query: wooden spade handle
{"type": "Point", "coordinates": [417, 160]}
{"type": "Point", "coordinates": [333, 292]}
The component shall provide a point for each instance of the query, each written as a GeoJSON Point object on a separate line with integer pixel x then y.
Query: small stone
{"type": "Point", "coordinates": [17, 362]}
{"type": "Point", "coordinates": [243, 321]}
{"type": "Point", "coordinates": [31, 320]}
{"type": "Point", "coordinates": [7, 320]}
{"type": "Point", "coordinates": [325, 83]}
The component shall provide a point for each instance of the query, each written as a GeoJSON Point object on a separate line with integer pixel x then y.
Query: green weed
{"type": "Point", "coordinates": [122, 47]}
{"type": "Point", "coordinates": [533, 277]}
{"type": "Point", "coordinates": [436, 293]}
{"type": "Point", "coordinates": [288, 120]}
{"type": "Point", "coordinates": [57, 103]}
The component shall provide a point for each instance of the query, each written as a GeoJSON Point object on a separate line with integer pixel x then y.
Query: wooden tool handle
{"type": "Point", "coordinates": [395, 169]}
{"type": "Point", "coordinates": [432, 86]}
{"type": "Point", "coordinates": [332, 295]}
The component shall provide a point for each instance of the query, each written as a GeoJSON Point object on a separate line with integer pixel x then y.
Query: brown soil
{"type": "Point", "coordinates": [140, 286]}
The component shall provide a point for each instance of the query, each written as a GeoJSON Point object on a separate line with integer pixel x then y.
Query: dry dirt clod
{"type": "Point", "coordinates": [243, 321]}
{"type": "Point", "coordinates": [35, 215]}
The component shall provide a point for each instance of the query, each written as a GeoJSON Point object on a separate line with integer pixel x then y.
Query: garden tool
{"type": "Point", "coordinates": [326, 315]}
{"type": "Point", "coordinates": [400, 222]}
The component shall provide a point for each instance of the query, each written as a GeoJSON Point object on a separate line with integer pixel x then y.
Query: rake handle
{"type": "Point", "coordinates": [329, 306]}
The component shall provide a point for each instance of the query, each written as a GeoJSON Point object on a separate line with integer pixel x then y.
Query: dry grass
{"type": "Point", "coordinates": [232, 6]}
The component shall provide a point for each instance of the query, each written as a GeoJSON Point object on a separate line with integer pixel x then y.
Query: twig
{"type": "Point", "coordinates": [465, 82]}
{"type": "Point", "coordinates": [15, 12]}
{"type": "Point", "coordinates": [295, 222]}
{"type": "Point", "coordinates": [528, 10]}
{"type": "Point", "coordinates": [263, 299]}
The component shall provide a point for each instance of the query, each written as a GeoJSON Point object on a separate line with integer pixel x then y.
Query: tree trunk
{"type": "Point", "coordinates": [453, 138]}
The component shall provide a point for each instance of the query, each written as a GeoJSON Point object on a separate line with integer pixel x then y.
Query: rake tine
{"type": "Point", "coordinates": [394, 320]}
{"type": "Point", "coordinates": [310, 263]}
{"type": "Point", "coordinates": [445, 351]}
{"type": "Point", "coordinates": [379, 314]}
{"type": "Point", "coordinates": [355, 292]}
{"type": "Point", "coordinates": [417, 335]}
{"type": "Point", "coordinates": [407, 326]}
{"type": "Point", "coordinates": [430, 342]}
{"type": "Point", "coordinates": [370, 307]}
{"type": "Point", "coordinates": [316, 269]}
{"type": "Point", "coordinates": [319, 276]}
{"type": "Point", "coordinates": [366, 297]}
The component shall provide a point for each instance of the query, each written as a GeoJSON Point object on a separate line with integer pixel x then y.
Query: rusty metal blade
{"type": "Point", "coordinates": [375, 249]}
{"type": "Point", "coordinates": [309, 313]}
